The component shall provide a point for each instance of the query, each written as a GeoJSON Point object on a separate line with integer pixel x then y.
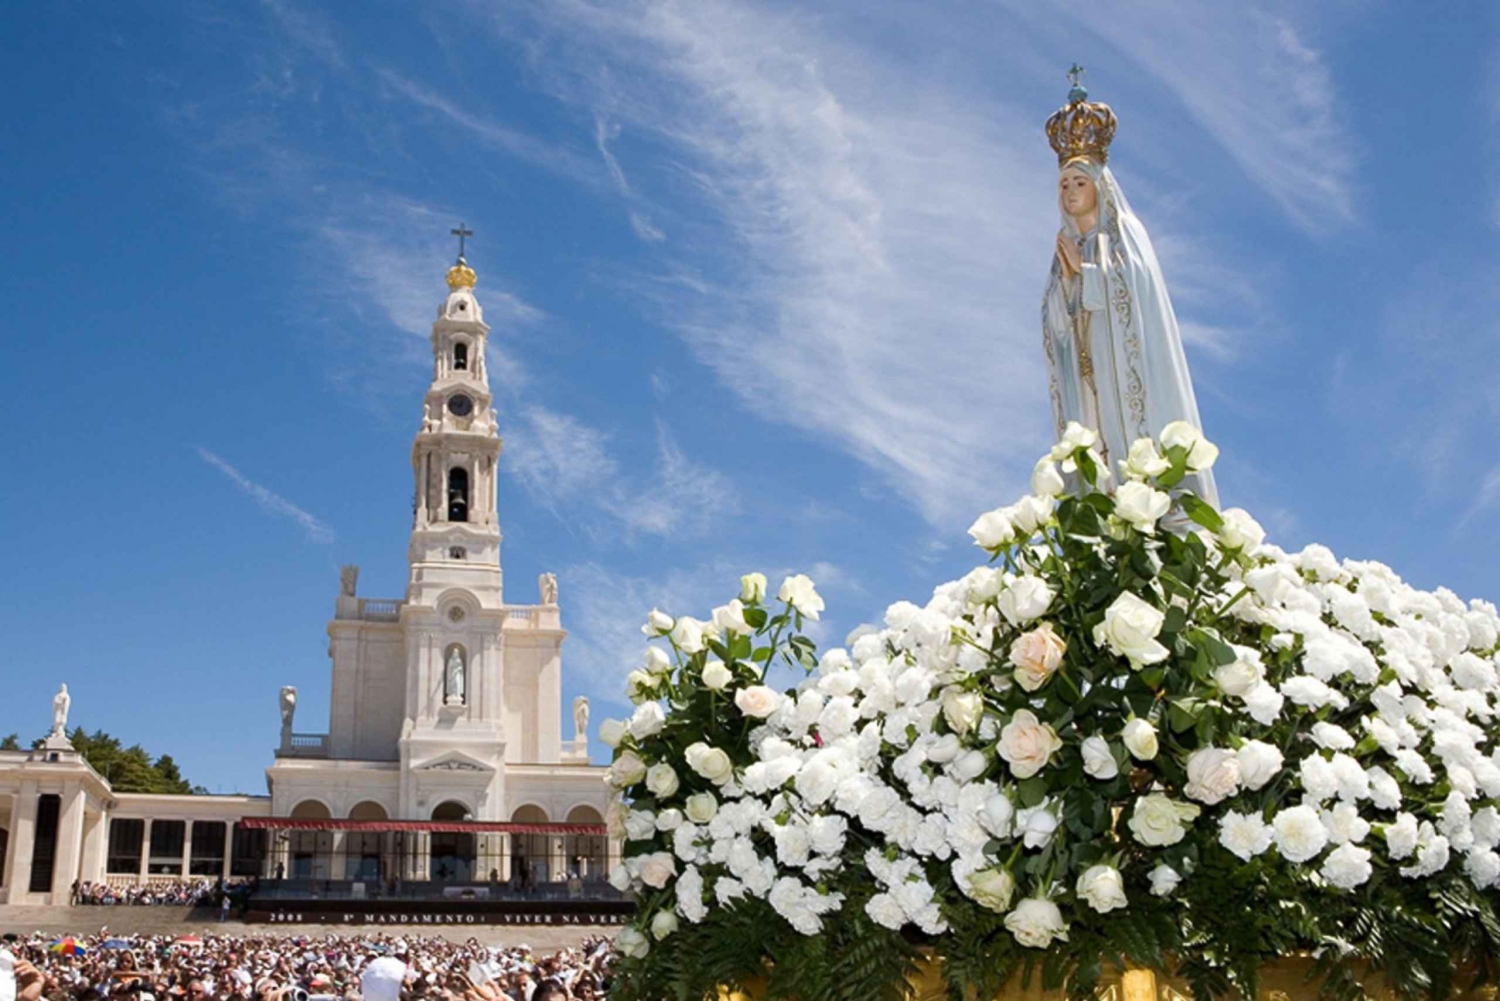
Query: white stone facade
{"type": "Point", "coordinates": [446, 700]}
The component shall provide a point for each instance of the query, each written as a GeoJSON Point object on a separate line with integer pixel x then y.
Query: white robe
{"type": "Point", "coordinates": [1119, 304]}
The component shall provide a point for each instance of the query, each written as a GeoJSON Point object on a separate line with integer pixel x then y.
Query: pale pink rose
{"type": "Point", "coordinates": [1037, 655]}
{"type": "Point", "coordinates": [1027, 744]}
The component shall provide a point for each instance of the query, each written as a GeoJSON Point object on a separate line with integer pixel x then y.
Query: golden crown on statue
{"type": "Point", "coordinates": [1080, 127]}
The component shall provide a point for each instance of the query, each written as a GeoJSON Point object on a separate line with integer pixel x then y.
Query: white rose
{"type": "Point", "coordinates": [945, 749]}
{"type": "Point", "coordinates": [1074, 437]}
{"type": "Point", "coordinates": [661, 780]}
{"type": "Point", "coordinates": [969, 766]}
{"type": "Point", "coordinates": [611, 732]}
{"type": "Point", "coordinates": [753, 588]}
{"type": "Point", "coordinates": [798, 591]}
{"type": "Point", "coordinates": [640, 825]}
{"type": "Point", "coordinates": [716, 677]}
{"type": "Point", "coordinates": [1300, 834]}
{"type": "Point", "coordinates": [1036, 923]}
{"type": "Point", "coordinates": [669, 820]}
{"type": "Point", "coordinates": [1130, 628]}
{"type": "Point", "coordinates": [687, 633]}
{"type": "Point", "coordinates": [1213, 775]}
{"type": "Point", "coordinates": [1264, 704]}
{"type": "Point", "coordinates": [1027, 744]}
{"type": "Point", "coordinates": [1046, 481]}
{"type": "Point", "coordinates": [640, 686]}
{"type": "Point", "coordinates": [1259, 763]}
{"type": "Point", "coordinates": [1029, 514]}
{"type": "Point", "coordinates": [1240, 678]}
{"type": "Point", "coordinates": [758, 701]}
{"type": "Point", "coordinates": [1098, 762]}
{"type": "Point", "coordinates": [648, 720]}
{"type": "Point", "coordinates": [631, 943]}
{"type": "Point", "coordinates": [1024, 599]}
{"type": "Point", "coordinates": [658, 623]}
{"type": "Point", "coordinates": [1201, 452]}
{"type": "Point", "coordinates": [657, 869]}
{"type": "Point", "coordinates": [709, 762]}
{"type": "Point", "coordinates": [998, 815]}
{"type": "Point", "coordinates": [1036, 656]}
{"type": "Point", "coordinates": [701, 807]}
{"type": "Point", "coordinates": [627, 770]}
{"type": "Point", "coordinates": [730, 619]}
{"type": "Point", "coordinates": [1140, 739]}
{"type": "Point", "coordinates": [962, 709]}
{"type": "Point", "coordinates": [992, 888]}
{"type": "Point", "coordinates": [1144, 462]}
{"type": "Point", "coordinates": [663, 924]}
{"type": "Point", "coordinates": [619, 877]}
{"type": "Point", "coordinates": [1103, 887]}
{"type": "Point", "coordinates": [1347, 866]}
{"type": "Point", "coordinates": [1244, 834]}
{"type": "Point", "coordinates": [1158, 821]}
{"type": "Point", "coordinates": [656, 661]}
{"type": "Point", "coordinates": [1141, 505]}
{"type": "Point", "coordinates": [1164, 880]}
{"type": "Point", "coordinates": [992, 529]}
{"type": "Point", "coordinates": [1240, 531]}
{"type": "Point", "coordinates": [1036, 824]}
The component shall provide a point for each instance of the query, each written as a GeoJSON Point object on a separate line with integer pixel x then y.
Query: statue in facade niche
{"type": "Point", "coordinates": [1115, 362]}
{"type": "Point", "coordinates": [288, 706]}
{"type": "Point", "coordinates": [581, 718]}
{"type": "Point", "coordinates": [453, 680]}
{"type": "Point", "coordinates": [60, 704]}
{"type": "Point", "coordinates": [348, 579]}
{"type": "Point", "coordinates": [547, 585]}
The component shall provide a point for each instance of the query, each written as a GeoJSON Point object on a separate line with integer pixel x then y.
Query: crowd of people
{"type": "Point", "coordinates": [372, 967]}
{"type": "Point", "coordinates": [180, 893]}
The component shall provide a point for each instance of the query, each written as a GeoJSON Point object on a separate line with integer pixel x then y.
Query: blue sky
{"type": "Point", "coordinates": [763, 281]}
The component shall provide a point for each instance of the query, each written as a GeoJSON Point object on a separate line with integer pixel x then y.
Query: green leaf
{"type": "Point", "coordinates": [1201, 512]}
{"type": "Point", "coordinates": [1032, 791]}
{"type": "Point", "coordinates": [761, 654]}
{"type": "Point", "coordinates": [756, 617]}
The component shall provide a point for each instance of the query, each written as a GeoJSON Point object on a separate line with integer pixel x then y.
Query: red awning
{"type": "Point", "coordinates": [437, 826]}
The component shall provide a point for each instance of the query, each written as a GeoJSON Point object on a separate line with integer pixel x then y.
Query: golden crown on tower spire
{"type": "Point", "coordinates": [1080, 127]}
{"type": "Point", "coordinates": [461, 275]}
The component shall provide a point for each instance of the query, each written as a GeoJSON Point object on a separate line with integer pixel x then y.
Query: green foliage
{"type": "Point", "coordinates": [10, 743]}
{"type": "Point", "coordinates": [129, 769]}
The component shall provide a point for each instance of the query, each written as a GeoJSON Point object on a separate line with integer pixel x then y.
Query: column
{"type": "Point", "coordinates": [95, 845]}
{"type": "Point", "coordinates": [229, 826]}
{"type": "Point", "coordinates": [69, 843]}
{"type": "Point", "coordinates": [22, 841]}
{"type": "Point", "coordinates": [187, 848]}
{"type": "Point", "coordinates": [145, 851]}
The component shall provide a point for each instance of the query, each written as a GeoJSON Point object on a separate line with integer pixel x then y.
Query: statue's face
{"type": "Point", "coordinates": [1077, 192]}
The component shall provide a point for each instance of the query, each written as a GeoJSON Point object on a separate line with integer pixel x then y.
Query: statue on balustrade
{"type": "Point", "coordinates": [1115, 362]}
{"type": "Point", "coordinates": [288, 707]}
{"type": "Point", "coordinates": [547, 585]}
{"type": "Point", "coordinates": [581, 718]}
{"type": "Point", "coordinates": [60, 704]}
{"type": "Point", "coordinates": [348, 579]}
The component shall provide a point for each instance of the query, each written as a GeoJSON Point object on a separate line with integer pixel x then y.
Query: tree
{"type": "Point", "coordinates": [127, 769]}
{"type": "Point", "coordinates": [11, 743]}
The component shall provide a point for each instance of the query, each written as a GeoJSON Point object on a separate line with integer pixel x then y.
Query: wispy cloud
{"type": "Point", "coordinates": [842, 246]}
{"type": "Point", "coordinates": [565, 465]}
{"type": "Point", "coordinates": [271, 502]}
{"type": "Point", "coordinates": [1485, 498]}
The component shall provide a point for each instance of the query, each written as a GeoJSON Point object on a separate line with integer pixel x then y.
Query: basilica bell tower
{"type": "Point", "coordinates": [455, 538]}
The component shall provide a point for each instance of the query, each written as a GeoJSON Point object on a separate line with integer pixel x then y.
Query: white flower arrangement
{"type": "Point", "coordinates": [1137, 712]}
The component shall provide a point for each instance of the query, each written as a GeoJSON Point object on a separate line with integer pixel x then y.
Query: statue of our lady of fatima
{"type": "Point", "coordinates": [1114, 353]}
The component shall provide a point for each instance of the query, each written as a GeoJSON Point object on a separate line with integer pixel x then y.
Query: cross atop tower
{"type": "Point", "coordinates": [461, 233]}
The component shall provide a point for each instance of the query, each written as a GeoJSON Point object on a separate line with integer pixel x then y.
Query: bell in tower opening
{"type": "Point", "coordinates": [458, 494]}
{"type": "Point", "coordinates": [460, 357]}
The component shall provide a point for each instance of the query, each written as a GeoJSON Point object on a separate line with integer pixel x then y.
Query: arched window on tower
{"type": "Point", "coordinates": [458, 494]}
{"type": "Point", "coordinates": [460, 357]}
